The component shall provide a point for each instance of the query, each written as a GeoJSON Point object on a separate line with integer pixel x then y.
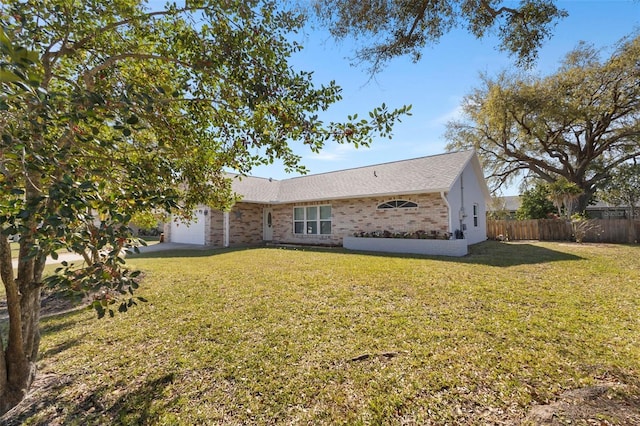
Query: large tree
{"type": "Point", "coordinates": [579, 123]}
{"type": "Point", "coordinates": [390, 28]}
{"type": "Point", "coordinates": [109, 109]}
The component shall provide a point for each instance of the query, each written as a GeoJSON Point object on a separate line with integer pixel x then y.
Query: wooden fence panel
{"type": "Point", "coordinates": [597, 230]}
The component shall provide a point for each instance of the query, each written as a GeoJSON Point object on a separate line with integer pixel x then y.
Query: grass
{"type": "Point", "coordinates": [275, 336]}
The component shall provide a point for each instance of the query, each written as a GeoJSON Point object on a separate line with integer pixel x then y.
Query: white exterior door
{"type": "Point", "coordinates": [189, 232]}
{"type": "Point", "coordinates": [267, 228]}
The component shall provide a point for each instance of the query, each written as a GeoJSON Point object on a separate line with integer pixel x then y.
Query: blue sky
{"type": "Point", "coordinates": [436, 85]}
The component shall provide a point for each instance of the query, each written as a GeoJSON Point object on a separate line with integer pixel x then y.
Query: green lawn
{"type": "Point", "coordinates": [275, 336]}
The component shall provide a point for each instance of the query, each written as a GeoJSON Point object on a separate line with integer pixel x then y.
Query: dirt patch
{"type": "Point", "coordinates": [39, 401]}
{"type": "Point", "coordinates": [602, 404]}
{"type": "Point", "coordinates": [51, 303]}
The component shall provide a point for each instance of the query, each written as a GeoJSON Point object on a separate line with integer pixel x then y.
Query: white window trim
{"type": "Point", "coordinates": [476, 214]}
{"type": "Point", "coordinates": [318, 220]}
{"type": "Point", "coordinates": [402, 206]}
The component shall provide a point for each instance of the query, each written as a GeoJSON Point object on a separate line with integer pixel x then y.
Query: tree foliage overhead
{"type": "Point", "coordinates": [109, 109]}
{"type": "Point", "coordinates": [390, 28]}
{"type": "Point", "coordinates": [579, 123]}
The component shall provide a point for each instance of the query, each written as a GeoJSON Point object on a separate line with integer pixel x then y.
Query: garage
{"type": "Point", "coordinates": [190, 232]}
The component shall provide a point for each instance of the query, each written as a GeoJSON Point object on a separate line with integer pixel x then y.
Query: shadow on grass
{"type": "Point", "coordinates": [490, 253]}
{"type": "Point", "coordinates": [59, 348]}
{"type": "Point", "coordinates": [494, 253]}
{"type": "Point", "coordinates": [50, 402]}
{"type": "Point", "coordinates": [141, 405]}
{"type": "Point", "coordinates": [203, 252]}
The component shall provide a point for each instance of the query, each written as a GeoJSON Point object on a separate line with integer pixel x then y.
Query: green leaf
{"type": "Point", "coordinates": [9, 77]}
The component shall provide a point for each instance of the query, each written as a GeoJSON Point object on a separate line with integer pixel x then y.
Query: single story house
{"type": "Point", "coordinates": [435, 194]}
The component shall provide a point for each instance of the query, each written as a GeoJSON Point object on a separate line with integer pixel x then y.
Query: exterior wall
{"type": "Point", "coordinates": [362, 215]}
{"type": "Point", "coordinates": [455, 248]}
{"type": "Point", "coordinates": [466, 192]}
{"type": "Point", "coordinates": [347, 217]}
{"type": "Point", "coordinates": [166, 228]}
{"type": "Point", "coordinates": [215, 236]}
{"type": "Point", "coordinates": [245, 224]}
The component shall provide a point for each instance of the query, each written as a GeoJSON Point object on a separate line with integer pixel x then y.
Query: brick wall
{"type": "Point", "coordinates": [362, 215]}
{"type": "Point", "coordinates": [347, 217]}
{"type": "Point", "coordinates": [215, 236]}
{"type": "Point", "coordinates": [245, 224]}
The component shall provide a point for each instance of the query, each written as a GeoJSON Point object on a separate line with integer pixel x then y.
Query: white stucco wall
{"type": "Point", "coordinates": [466, 192]}
{"type": "Point", "coordinates": [456, 248]}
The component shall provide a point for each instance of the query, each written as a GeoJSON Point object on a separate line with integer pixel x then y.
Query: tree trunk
{"type": "Point", "coordinates": [583, 201]}
{"type": "Point", "coordinates": [17, 369]}
{"type": "Point", "coordinates": [18, 361]}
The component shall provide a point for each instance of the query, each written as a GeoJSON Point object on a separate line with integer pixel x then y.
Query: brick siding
{"type": "Point", "coordinates": [347, 218]}
{"type": "Point", "coordinates": [362, 215]}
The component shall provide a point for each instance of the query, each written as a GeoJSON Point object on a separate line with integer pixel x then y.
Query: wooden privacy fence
{"type": "Point", "coordinates": [596, 230]}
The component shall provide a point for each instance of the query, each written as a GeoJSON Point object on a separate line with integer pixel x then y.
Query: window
{"type": "Point", "coordinates": [312, 220]}
{"type": "Point", "coordinates": [475, 215]}
{"type": "Point", "coordinates": [397, 204]}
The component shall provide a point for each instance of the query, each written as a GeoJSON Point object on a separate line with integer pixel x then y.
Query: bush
{"type": "Point", "coordinates": [416, 235]}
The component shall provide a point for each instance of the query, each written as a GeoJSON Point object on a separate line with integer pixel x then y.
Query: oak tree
{"type": "Point", "coordinates": [111, 108]}
{"type": "Point", "coordinates": [578, 123]}
{"type": "Point", "coordinates": [390, 28]}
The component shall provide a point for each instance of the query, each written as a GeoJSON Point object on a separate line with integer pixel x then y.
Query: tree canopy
{"type": "Point", "coordinates": [109, 109]}
{"type": "Point", "coordinates": [390, 28]}
{"type": "Point", "coordinates": [579, 123]}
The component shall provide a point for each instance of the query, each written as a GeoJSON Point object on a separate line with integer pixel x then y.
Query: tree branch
{"type": "Point", "coordinates": [89, 76]}
{"type": "Point", "coordinates": [80, 43]}
{"type": "Point", "coordinates": [495, 13]}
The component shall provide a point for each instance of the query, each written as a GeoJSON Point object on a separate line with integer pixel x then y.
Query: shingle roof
{"type": "Point", "coordinates": [419, 175]}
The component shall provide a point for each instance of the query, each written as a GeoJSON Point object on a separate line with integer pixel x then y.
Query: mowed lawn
{"type": "Point", "coordinates": [324, 337]}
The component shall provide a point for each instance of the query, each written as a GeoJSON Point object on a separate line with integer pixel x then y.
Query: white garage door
{"type": "Point", "coordinates": [190, 232]}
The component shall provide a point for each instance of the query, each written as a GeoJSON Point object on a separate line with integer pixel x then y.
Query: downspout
{"type": "Point", "coordinates": [225, 224]}
{"type": "Point", "coordinates": [446, 202]}
{"type": "Point", "coordinates": [462, 212]}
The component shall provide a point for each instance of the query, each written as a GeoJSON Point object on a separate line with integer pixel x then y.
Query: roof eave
{"type": "Point", "coordinates": [351, 197]}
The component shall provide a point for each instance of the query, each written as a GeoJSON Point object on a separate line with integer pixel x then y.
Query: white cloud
{"type": "Point", "coordinates": [443, 119]}
{"type": "Point", "coordinates": [333, 152]}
